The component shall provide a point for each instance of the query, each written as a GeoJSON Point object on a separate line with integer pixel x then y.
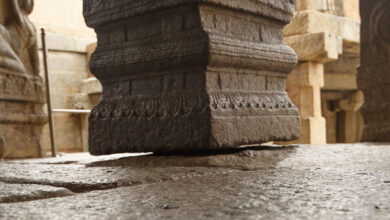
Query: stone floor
{"type": "Point", "coordinates": [293, 182]}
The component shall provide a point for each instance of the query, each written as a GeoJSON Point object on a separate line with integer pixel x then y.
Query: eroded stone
{"type": "Point", "coordinates": [323, 182]}
{"type": "Point", "coordinates": [25, 192]}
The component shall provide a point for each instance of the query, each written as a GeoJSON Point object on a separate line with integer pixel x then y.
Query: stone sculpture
{"type": "Point", "coordinates": [373, 76]}
{"type": "Point", "coordinates": [183, 75]}
{"type": "Point", "coordinates": [21, 98]}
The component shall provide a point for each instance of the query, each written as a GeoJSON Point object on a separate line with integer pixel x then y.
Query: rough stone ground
{"type": "Point", "coordinates": [294, 182]}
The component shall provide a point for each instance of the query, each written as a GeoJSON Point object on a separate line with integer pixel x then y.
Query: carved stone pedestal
{"type": "Point", "coordinates": [374, 73]}
{"type": "Point", "coordinates": [21, 95]}
{"type": "Point", "coordinates": [190, 74]}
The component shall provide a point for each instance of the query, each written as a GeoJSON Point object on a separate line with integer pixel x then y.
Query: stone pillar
{"type": "Point", "coordinates": [373, 76]}
{"type": "Point", "coordinates": [351, 129]}
{"type": "Point", "coordinates": [321, 32]}
{"type": "Point", "coordinates": [21, 96]}
{"type": "Point", "coordinates": [190, 74]}
{"type": "Point", "coordinates": [304, 87]}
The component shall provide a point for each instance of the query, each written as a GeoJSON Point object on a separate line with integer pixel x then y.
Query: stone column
{"type": "Point", "coordinates": [190, 74]}
{"type": "Point", "coordinates": [373, 76]}
{"type": "Point", "coordinates": [352, 120]}
{"type": "Point", "coordinates": [320, 33]}
{"type": "Point", "coordinates": [21, 96]}
{"type": "Point", "coordinates": [304, 87]}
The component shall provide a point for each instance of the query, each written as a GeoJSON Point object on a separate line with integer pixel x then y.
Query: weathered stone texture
{"type": "Point", "coordinates": [373, 76]}
{"type": "Point", "coordinates": [303, 182]}
{"type": "Point", "coordinates": [26, 192]}
{"type": "Point", "coordinates": [190, 74]}
{"type": "Point", "coordinates": [21, 94]}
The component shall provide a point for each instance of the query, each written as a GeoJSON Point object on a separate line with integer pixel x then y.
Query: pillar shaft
{"type": "Point", "coordinates": [304, 86]}
{"type": "Point", "coordinates": [190, 74]}
{"type": "Point", "coordinates": [373, 76]}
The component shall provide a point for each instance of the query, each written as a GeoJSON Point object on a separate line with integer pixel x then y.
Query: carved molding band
{"type": "Point", "coordinates": [100, 12]}
{"type": "Point", "coordinates": [23, 119]}
{"type": "Point", "coordinates": [182, 105]}
{"type": "Point", "coordinates": [21, 87]}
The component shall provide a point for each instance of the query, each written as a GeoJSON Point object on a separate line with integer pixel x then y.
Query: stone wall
{"type": "Point", "coordinates": [62, 17]}
{"type": "Point", "coordinates": [67, 39]}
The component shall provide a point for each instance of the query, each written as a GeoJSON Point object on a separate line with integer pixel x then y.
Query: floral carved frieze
{"type": "Point", "coordinates": [181, 105]}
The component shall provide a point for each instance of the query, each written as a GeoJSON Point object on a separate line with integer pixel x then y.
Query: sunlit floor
{"type": "Point", "coordinates": [331, 182]}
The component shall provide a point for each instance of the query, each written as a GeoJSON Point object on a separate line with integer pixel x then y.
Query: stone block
{"type": "Point", "coordinates": [67, 133]}
{"type": "Point", "coordinates": [65, 61]}
{"type": "Point", "coordinates": [347, 63]}
{"type": "Point", "coordinates": [91, 86]}
{"type": "Point", "coordinates": [194, 74]}
{"type": "Point", "coordinates": [80, 101]}
{"type": "Point", "coordinates": [10, 193]}
{"type": "Point", "coordinates": [317, 47]}
{"type": "Point", "coordinates": [304, 87]}
{"type": "Point", "coordinates": [313, 131]}
{"type": "Point", "coordinates": [20, 141]}
{"type": "Point", "coordinates": [309, 22]}
{"type": "Point", "coordinates": [351, 9]}
{"type": "Point", "coordinates": [319, 5]}
{"type": "Point", "coordinates": [340, 81]}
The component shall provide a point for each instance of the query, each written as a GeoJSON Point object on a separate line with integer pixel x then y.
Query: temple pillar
{"type": "Point", "coordinates": [304, 87]}
{"type": "Point", "coordinates": [321, 33]}
{"type": "Point", "coordinates": [190, 74]}
{"type": "Point", "coordinates": [373, 76]}
{"type": "Point", "coordinates": [21, 94]}
{"type": "Point", "coordinates": [350, 126]}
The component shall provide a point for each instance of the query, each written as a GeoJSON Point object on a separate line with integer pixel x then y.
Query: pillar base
{"type": "Point", "coordinates": [203, 75]}
{"type": "Point", "coordinates": [180, 122]}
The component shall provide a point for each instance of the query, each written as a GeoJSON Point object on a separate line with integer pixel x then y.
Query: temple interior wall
{"type": "Point", "coordinates": [67, 40]}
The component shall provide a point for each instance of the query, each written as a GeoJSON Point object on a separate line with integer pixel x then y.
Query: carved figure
{"type": "Point", "coordinates": [18, 43]}
{"type": "Point", "coordinates": [21, 96]}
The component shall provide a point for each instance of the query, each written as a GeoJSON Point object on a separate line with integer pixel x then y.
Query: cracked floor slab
{"type": "Point", "coordinates": [304, 182]}
{"type": "Point", "coordinates": [26, 192]}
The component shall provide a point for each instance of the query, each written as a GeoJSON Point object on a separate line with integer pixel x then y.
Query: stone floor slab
{"type": "Point", "coordinates": [25, 192]}
{"type": "Point", "coordinates": [307, 182]}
